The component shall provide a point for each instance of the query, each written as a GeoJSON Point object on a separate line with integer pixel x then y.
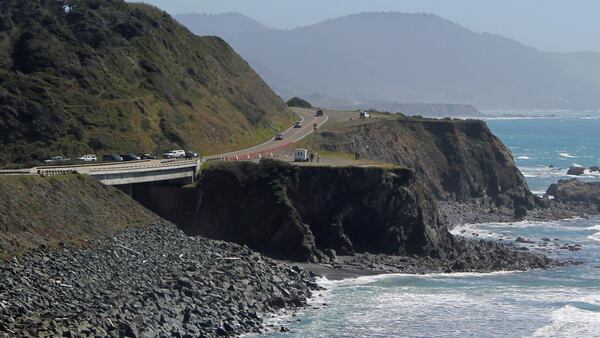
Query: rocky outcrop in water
{"type": "Point", "coordinates": [146, 281]}
{"type": "Point", "coordinates": [576, 171]}
{"type": "Point", "coordinates": [575, 191]}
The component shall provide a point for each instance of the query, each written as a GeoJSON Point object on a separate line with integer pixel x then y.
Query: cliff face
{"type": "Point", "coordinates": [303, 213]}
{"type": "Point", "coordinates": [300, 212]}
{"type": "Point", "coordinates": [110, 76]}
{"type": "Point", "coordinates": [458, 160]}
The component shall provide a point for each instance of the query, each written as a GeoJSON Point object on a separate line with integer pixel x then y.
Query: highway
{"type": "Point", "coordinates": [165, 167]}
{"type": "Point", "coordinates": [290, 136]}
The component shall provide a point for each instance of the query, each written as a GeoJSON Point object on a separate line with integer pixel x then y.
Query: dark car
{"type": "Point", "coordinates": [130, 157]}
{"type": "Point", "coordinates": [191, 154]}
{"type": "Point", "coordinates": [319, 112]}
{"type": "Point", "coordinates": [298, 124]}
{"type": "Point", "coordinates": [148, 157]}
{"type": "Point", "coordinates": [112, 158]}
{"type": "Point", "coordinates": [279, 137]}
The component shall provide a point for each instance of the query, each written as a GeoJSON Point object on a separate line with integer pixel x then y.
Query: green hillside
{"type": "Point", "coordinates": [106, 76]}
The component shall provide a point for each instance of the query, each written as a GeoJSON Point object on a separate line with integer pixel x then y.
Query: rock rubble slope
{"type": "Point", "coordinates": [144, 282]}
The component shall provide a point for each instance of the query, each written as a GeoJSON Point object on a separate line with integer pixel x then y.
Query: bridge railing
{"type": "Point", "coordinates": [56, 172]}
{"type": "Point", "coordinates": [162, 164]}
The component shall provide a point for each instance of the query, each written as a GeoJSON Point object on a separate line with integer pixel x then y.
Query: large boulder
{"type": "Point", "coordinates": [576, 171]}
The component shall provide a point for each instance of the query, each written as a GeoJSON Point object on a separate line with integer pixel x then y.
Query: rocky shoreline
{"type": "Point", "coordinates": [455, 213]}
{"type": "Point", "coordinates": [144, 282]}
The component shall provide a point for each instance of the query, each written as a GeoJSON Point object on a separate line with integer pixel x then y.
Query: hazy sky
{"type": "Point", "coordinates": [553, 25]}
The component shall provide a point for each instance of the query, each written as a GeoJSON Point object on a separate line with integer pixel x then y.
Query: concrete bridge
{"type": "Point", "coordinates": [124, 173]}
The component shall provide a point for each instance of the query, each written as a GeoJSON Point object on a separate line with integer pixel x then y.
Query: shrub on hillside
{"type": "Point", "coordinates": [298, 103]}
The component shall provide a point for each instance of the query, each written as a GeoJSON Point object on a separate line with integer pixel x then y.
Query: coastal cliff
{"type": "Point", "coordinates": [300, 213]}
{"type": "Point", "coordinates": [459, 160]}
{"type": "Point", "coordinates": [315, 213]}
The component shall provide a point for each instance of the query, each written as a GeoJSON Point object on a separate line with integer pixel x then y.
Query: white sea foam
{"type": "Point", "coordinates": [570, 321]}
{"type": "Point", "coordinates": [523, 158]}
{"type": "Point", "coordinates": [595, 237]}
{"type": "Point", "coordinates": [543, 172]}
{"type": "Point", "coordinates": [567, 155]}
{"type": "Point", "coordinates": [594, 227]}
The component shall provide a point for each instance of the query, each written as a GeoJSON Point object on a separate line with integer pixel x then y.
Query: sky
{"type": "Point", "coordinates": [549, 25]}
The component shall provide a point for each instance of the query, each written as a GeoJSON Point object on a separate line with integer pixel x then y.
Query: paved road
{"type": "Point", "coordinates": [290, 136]}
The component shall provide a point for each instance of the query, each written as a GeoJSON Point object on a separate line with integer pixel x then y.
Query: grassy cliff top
{"type": "Point", "coordinates": [107, 76]}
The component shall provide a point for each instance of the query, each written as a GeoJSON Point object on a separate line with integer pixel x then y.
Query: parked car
{"type": "Point", "coordinates": [88, 158]}
{"type": "Point", "coordinates": [301, 155]}
{"type": "Point", "coordinates": [112, 158]}
{"type": "Point", "coordinates": [298, 124]}
{"type": "Point", "coordinates": [148, 157]}
{"type": "Point", "coordinates": [191, 154]}
{"type": "Point", "coordinates": [130, 157]}
{"type": "Point", "coordinates": [57, 159]}
{"type": "Point", "coordinates": [279, 137]}
{"type": "Point", "coordinates": [174, 154]}
{"type": "Point", "coordinates": [319, 112]}
{"type": "Point", "coordinates": [364, 115]}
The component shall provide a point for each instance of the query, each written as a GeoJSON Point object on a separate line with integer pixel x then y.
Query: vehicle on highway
{"type": "Point", "coordinates": [112, 158]}
{"type": "Point", "coordinates": [301, 155]}
{"type": "Point", "coordinates": [191, 154]}
{"type": "Point", "coordinates": [57, 159]}
{"type": "Point", "coordinates": [130, 157]}
{"type": "Point", "coordinates": [174, 154]}
{"type": "Point", "coordinates": [298, 124]}
{"type": "Point", "coordinates": [319, 112]}
{"type": "Point", "coordinates": [279, 137]}
{"type": "Point", "coordinates": [88, 158]}
{"type": "Point", "coordinates": [148, 157]}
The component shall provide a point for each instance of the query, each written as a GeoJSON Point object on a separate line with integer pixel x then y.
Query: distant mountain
{"type": "Point", "coordinates": [108, 76]}
{"type": "Point", "coordinates": [223, 25]}
{"type": "Point", "coordinates": [396, 57]}
{"type": "Point", "coordinates": [585, 65]}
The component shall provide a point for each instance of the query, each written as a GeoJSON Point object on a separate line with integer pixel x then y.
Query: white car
{"type": "Point", "coordinates": [174, 154]}
{"type": "Point", "coordinates": [88, 158]}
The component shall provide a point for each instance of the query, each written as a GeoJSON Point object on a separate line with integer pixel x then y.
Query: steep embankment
{"type": "Point", "coordinates": [109, 76]}
{"type": "Point", "coordinates": [312, 213]}
{"type": "Point", "coordinates": [35, 210]}
{"type": "Point", "coordinates": [460, 160]}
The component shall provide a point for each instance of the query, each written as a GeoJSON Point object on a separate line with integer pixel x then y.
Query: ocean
{"type": "Point", "coordinates": [560, 302]}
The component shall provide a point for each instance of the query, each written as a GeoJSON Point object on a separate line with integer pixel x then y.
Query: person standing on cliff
{"type": "Point", "coordinates": [318, 158]}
